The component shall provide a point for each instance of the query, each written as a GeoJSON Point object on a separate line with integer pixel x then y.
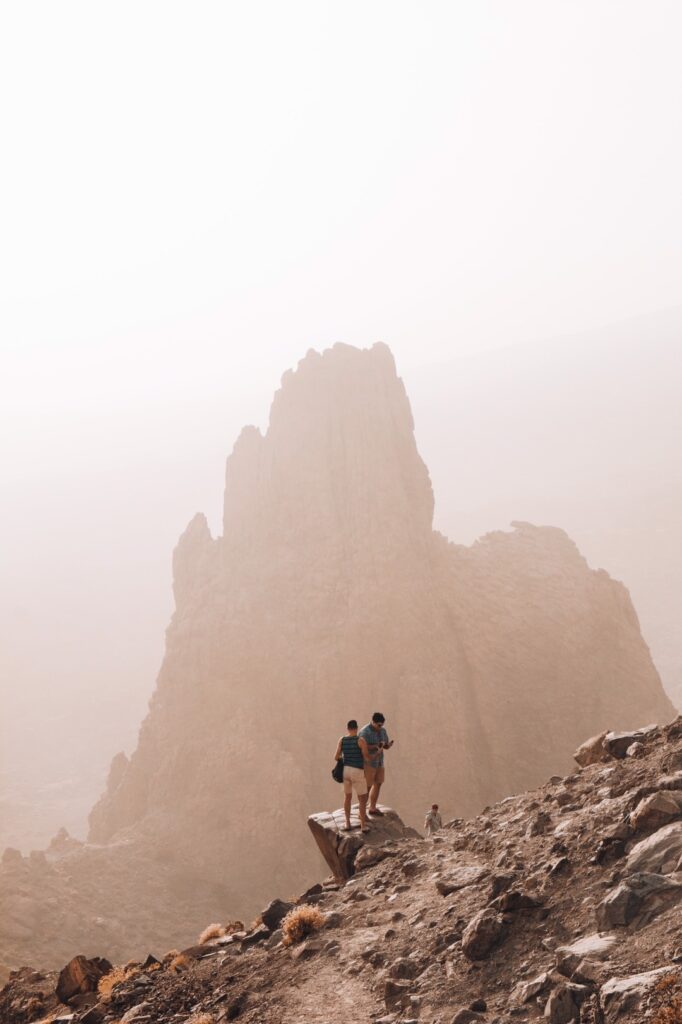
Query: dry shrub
{"type": "Point", "coordinates": [179, 962]}
{"type": "Point", "coordinates": [214, 931]}
{"type": "Point", "coordinates": [170, 955]}
{"type": "Point", "coordinates": [668, 1000]}
{"type": "Point", "coordinates": [201, 1018]}
{"type": "Point", "coordinates": [233, 926]}
{"type": "Point", "coordinates": [115, 977]}
{"type": "Point", "coordinates": [301, 922]}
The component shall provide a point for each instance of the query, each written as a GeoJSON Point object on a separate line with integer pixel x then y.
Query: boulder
{"type": "Point", "coordinates": [539, 824]}
{"type": "Point", "coordinates": [514, 900]}
{"type": "Point", "coordinates": [656, 810]}
{"type": "Point", "coordinates": [81, 975]}
{"type": "Point", "coordinates": [340, 849]}
{"type": "Point", "coordinates": [403, 968]}
{"type": "Point", "coordinates": [467, 1016]}
{"type": "Point", "coordinates": [482, 933]}
{"type": "Point", "coordinates": [673, 781]}
{"type": "Point", "coordinates": [596, 946]}
{"type": "Point", "coordinates": [274, 913]}
{"type": "Point", "coordinates": [652, 854]}
{"type": "Point", "coordinates": [592, 751]}
{"type": "Point", "coordinates": [259, 934]}
{"type": "Point", "coordinates": [617, 743]}
{"type": "Point", "coordinates": [620, 995]}
{"type": "Point", "coordinates": [460, 878]}
{"type": "Point", "coordinates": [564, 1003]}
{"type": "Point", "coordinates": [640, 897]}
{"type": "Point", "coordinates": [527, 990]}
{"type": "Point", "coordinates": [396, 994]}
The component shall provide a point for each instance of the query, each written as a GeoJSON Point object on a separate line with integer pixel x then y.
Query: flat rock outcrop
{"type": "Point", "coordinates": [340, 849]}
{"type": "Point", "coordinates": [328, 596]}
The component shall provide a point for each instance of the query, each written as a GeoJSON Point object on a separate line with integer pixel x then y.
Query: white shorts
{"type": "Point", "coordinates": [354, 779]}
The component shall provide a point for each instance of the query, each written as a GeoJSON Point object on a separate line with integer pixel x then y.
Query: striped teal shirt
{"type": "Point", "coordinates": [352, 755]}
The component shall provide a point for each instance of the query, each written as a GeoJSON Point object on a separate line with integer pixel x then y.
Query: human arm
{"type": "Point", "coordinates": [364, 749]}
{"type": "Point", "coordinates": [337, 755]}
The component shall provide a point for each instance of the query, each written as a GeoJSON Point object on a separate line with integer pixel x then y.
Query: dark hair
{"type": "Point", "coordinates": [378, 717]}
{"type": "Point", "coordinates": [352, 724]}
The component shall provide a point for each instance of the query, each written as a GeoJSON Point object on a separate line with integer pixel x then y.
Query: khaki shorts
{"type": "Point", "coordinates": [374, 775]}
{"type": "Point", "coordinates": [354, 779]}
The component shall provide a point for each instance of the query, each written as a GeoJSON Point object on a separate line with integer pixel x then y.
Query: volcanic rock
{"type": "Point", "coordinates": [328, 594]}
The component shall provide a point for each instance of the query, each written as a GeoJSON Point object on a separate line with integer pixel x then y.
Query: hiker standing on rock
{"type": "Point", "coordinates": [433, 821]}
{"type": "Point", "coordinates": [353, 750]}
{"type": "Point", "coordinates": [376, 738]}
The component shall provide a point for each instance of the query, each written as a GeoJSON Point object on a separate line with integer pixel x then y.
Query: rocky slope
{"type": "Point", "coordinates": [327, 596]}
{"type": "Point", "coordinates": [561, 903]}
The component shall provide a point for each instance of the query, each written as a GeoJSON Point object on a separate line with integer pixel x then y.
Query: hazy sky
{"type": "Point", "coordinates": [193, 194]}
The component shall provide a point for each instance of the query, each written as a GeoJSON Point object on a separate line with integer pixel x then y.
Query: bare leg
{"type": "Point", "coordinates": [346, 807]}
{"type": "Point", "coordinates": [362, 803]}
{"type": "Point", "coordinates": [374, 796]}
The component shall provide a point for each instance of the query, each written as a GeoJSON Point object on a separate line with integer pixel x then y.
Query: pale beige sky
{"type": "Point", "coordinates": [193, 194]}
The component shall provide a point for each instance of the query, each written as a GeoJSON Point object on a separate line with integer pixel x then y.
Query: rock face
{"type": "Point", "coordinates": [329, 595]}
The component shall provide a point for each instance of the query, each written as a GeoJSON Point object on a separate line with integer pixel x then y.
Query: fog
{"type": "Point", "coordinates": [196, 195]}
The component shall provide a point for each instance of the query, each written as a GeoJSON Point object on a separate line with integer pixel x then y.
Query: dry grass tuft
{"type": "Point", "coordinates": [201, 1018]}
{"type": "Point", "coordinates": [301, 922]}
{"type": "Point", "coordinates": [109, 981]}
{"type": "Point", "coordinates": [233, 926]}
{"type": "Point", "coordinates": [179, 963]}
{"type": "Point", "coordinates": [214, 931]}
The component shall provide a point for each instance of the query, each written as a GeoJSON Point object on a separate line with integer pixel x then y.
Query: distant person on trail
{"type": "Point", "coordinates": [353, 750]}
{"type": "Point", "coordinates": [376, 738]}
{"type": "Point", "coordinates": [433, 821]}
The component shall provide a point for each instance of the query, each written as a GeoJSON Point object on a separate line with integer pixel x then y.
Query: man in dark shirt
{"type": "Point", "coordinates": [376, 738]}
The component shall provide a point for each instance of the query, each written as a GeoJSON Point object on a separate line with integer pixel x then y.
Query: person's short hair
{"type": "Point", "coordinates": [434, 807]}
{"type": "Point", "coordinates": [378, 718]}
{"type": "Point", "coordinates": [352, 724]}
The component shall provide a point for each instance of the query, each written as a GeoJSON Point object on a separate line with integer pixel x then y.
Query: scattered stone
{"type": "Point", "coordinates": [641, 897]}
{"type": "Point", "coordinates": [509, 902]}
{"type": "Point", "coordinates": [617, 743]}
{"type": "Point", "coordinates": [466, 1016]}
{"type": "Point", "coordinates": [539, 824]}
{"type": "Point", "coordinates": [396, 994]}
{"type": "Point", "coordinates": [259, 934]}
{"type": "Point", "coordinates": [664, 846]}
{"type": "Point", "coordinates": [306, 950]}
{"type": "Point", "coordinates": [656, 810]}
{"type": "Point", "coordinates": [478, 1005]}
{"type": "Point", "coordinates": [620, 995]}
{"type": "Point", "coordinates": [403, 968]}
{"type": "Point", "coordinates": [636, 749]}
{"type": "Point", "coordinates": [274, 913]}
{"type": "Point", "coordinates": [592, 751]}
{"type": "Point", "coordinates": [564, 1003]}
{"type": "Point", "coordinates": [596, 946]}
{"type": "Point", "coordinates": [150, 962]}
{"type": "Point", "coordinates": [460, 878]}
{"type": "Point", "coordinates": [527, 990]}
{"type": "Point", "coordinates": [134, 1013]}
{"type": "Point", "coordinates": [81, 975]}
{"type": "Point", "coordinates": [481, 934]}
{"type": "Point", "coordinates": [333, 919]}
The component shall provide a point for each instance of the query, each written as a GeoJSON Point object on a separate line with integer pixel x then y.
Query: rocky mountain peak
{"type": "Point", "coordinates": [338, 469]}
